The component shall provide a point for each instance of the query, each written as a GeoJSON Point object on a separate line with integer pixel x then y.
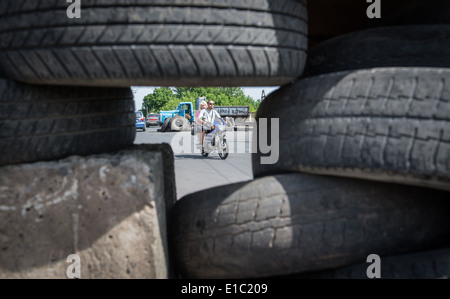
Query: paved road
{"type": "Point", "coordinates": [194, 172]}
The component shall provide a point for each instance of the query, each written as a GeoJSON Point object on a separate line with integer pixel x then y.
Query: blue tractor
{"type": "Point", "coordinates": [180, 119]}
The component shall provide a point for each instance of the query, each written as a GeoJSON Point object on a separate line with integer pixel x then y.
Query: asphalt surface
{"type": "Point", "coordinates": [194, 172]}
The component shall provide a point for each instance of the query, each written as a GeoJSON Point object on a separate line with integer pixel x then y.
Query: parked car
{"type": "Point", "coordinates": [140, 121]}
{"type": "Point", "coordinates": [152, 119]}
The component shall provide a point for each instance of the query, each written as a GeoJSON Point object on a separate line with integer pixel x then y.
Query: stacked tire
{"type": "Point", "coordinates": [299, 223]}
{"type": "Point", "coordinates": [157, 43]}
{"type": "Point", "coordinates": [363, 168]}
{"type": "Point", "coordinates": [41, 123]}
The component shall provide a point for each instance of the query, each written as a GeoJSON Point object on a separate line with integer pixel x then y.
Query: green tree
{"type": "Point", "coordinates": [171, 104]}
{"type": "Point", "coordinates": [165, 98]}
{"type": "Point", "coordinates": [154, 102]}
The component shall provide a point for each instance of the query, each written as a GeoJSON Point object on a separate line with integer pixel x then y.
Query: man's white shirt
{"type": "Point", "coordinates": [209, 115]}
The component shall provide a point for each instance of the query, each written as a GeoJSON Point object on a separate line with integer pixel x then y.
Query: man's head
{"type": "Point", "coordinates": [210, 105]}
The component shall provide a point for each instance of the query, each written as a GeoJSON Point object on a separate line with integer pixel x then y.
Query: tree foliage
{"type": "Point", "coordinates": [155, 101]}
{"type": "Point", "coordinates": [165, 98]}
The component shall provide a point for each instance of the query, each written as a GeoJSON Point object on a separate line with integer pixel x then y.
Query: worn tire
{"type": "Point", "coordinates": [397, 46]}
{"type": "Point", "coordinates": [46, 123]}
{"type": "Point", "coordinates": [178, 123]}
{"type": "Point", "coordinates": [387, 124]}
{"type": "Point", "coordinates": [433, 264]}
{"type": "Point", "coordinates": [157, 43]}
{"type": "Point", "coordinates": [294, 223]}
{"type": "Point", "coordinates": [165, 126]}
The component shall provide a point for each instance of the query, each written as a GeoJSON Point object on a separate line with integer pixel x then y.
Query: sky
{"type": "Point", "coordinates": [139, 92]}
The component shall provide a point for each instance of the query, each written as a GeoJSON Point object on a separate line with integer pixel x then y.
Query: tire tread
{"type": "Point", "coordinates": [42, 123]}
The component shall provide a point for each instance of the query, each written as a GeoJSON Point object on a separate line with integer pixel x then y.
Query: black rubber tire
{"type": "Point", "coordinates": [178, 123]}
{"type": "Point", "coordinates": [40, 123]}
{"type": "Point", "coordinates": [294, 223]}
{"type": "Point", "coordinates": [166, 125]}
{"type": "Point", "coordinates": [434, 264]}
{"type": "Point", "coordinates": [157, 43]}
{"type": "Point", "coordinates": [398, 46]}
{"type": "Point", "coordinates": [387, 124]}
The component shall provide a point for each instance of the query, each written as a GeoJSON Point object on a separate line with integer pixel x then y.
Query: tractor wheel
{"type": "Point", "coordinates": [179, 123]}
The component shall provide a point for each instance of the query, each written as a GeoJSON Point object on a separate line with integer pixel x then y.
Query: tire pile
{"type": "Point", "coordinates": [363, 168]}
{"type": "Point", "coordinates": [364, 130]}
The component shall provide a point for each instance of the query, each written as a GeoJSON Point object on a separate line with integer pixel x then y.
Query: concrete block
{"type": "Point", "coordinates": [110, 210]}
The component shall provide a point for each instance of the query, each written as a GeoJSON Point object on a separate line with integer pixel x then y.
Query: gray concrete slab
{"type": "Point", "coordinates": [107, 211]}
